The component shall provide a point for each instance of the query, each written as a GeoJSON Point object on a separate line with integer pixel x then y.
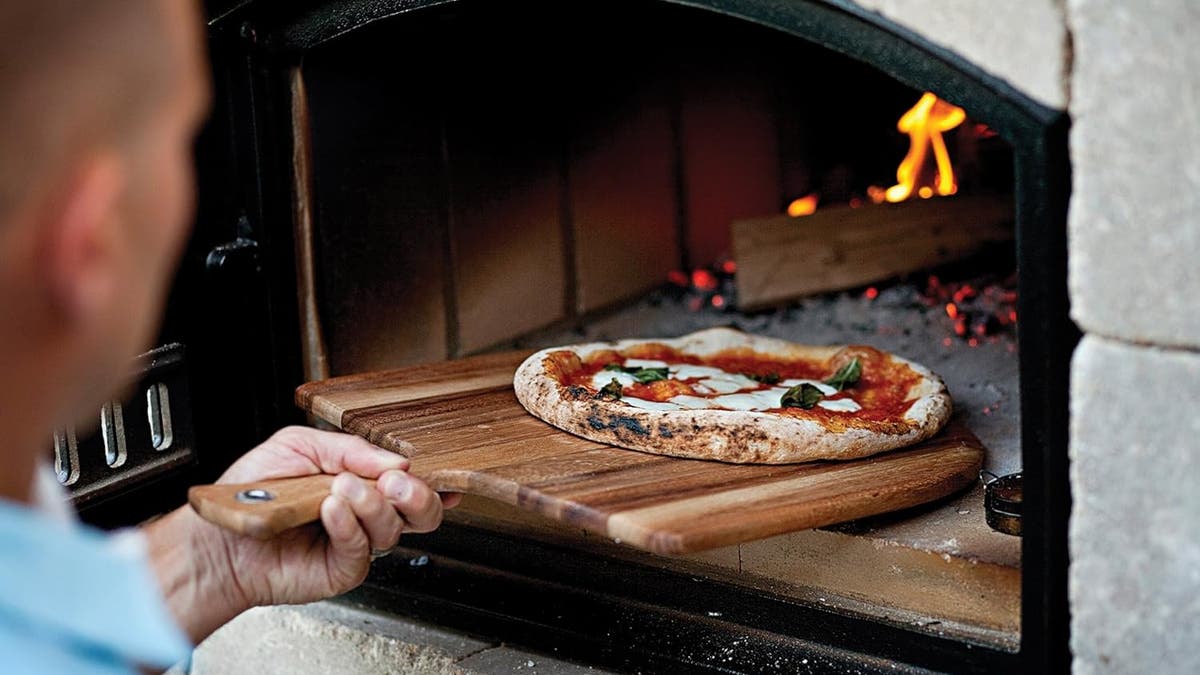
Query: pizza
{"type": "Point", "coordinates": [726, 395]}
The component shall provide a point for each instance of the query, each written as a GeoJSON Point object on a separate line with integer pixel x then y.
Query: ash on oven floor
{"type": "Point", "coordinates": [326, 638]}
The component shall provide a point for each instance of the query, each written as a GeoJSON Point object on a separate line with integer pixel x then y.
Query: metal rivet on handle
{"type": "Point", "coordinates": [254, 496]}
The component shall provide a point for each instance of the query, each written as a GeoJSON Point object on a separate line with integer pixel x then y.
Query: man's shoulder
{"type": "Point", "coordinates": [25, 650]}
{"type": "Point", "coordinates": [71, 592]}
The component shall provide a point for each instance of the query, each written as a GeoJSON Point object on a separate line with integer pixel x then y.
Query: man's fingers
{"type": "Point", "coordinates": [335, 452]}
{"type": "Point", "coordinates": [377, 517]}
{"type": "Point", "coordinates": [420, 506]}
{"type": "Point", "coordinates": [348, 557]}
{"type": "Point", "coordinates": [302, 451]}
{"type": "Point", "coordinates": [450, 499]}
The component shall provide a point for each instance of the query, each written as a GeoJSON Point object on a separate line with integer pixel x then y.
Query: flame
{"type": "Point", "coordinates": [804, 206]}
{"type": "Point", "coordinates": [924, 123]}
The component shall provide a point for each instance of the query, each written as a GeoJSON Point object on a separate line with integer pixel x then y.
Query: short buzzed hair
{"type": "Point", "coordinates": [72, 73]}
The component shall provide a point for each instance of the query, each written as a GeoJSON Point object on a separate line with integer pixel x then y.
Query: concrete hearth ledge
{"type": "Point", "coordinates": [1022, 42]}
{"type": "Point", "coordinates": [327, 638]}
{"type": "Point", "coordinates": [1135, 557]}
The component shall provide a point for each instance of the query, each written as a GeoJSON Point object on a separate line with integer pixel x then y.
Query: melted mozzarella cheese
{"type": "Point", "coordinates": [644, 363]}
{"type": "Point", "coordinates": [753, 400]}
{"type": "Point", "coordinates": [727, 383]}
{"type": "Point", "coordinates": [648, 405]}
{"type": "Point", "coordinates": [721, 386]}
{"type": "Point", "coordinates": [841, 405]}
{"type": "Point", "coordinates": [692, 402]}
{"type": "Point", "coordinates": [602, 378]}
{"type": "Point", "coordinates": [688, 372]}
{"type": "Point", "coordinates": [825, 389]}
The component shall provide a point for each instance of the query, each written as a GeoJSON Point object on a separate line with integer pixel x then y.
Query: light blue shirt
{"type": "Point", "coordinates": [76, 600]}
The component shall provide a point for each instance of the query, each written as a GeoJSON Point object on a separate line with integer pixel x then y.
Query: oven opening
{"type": "Point", "coordinates": [653, 174]}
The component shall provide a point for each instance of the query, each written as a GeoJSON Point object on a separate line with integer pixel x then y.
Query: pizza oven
{"type": "Point", "coordinates": [401, 182]}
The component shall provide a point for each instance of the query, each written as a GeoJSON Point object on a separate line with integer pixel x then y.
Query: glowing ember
{"type": "Point", "coordinates": [924, 123]}
{"type": "Point", "coordinates": [704, 280]}
{"type": "Point", "coordinates": [803, 206]}
{"type": "Point", "coordinates": [984, 131]}
{"type": "Point", "coordinates": [979, 311]}
{"type": "Point", "coordinates": [871, 293]}
{"type": "Point", "coordinates": [706, 287]}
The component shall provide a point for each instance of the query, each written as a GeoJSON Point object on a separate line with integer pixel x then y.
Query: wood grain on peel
{"type": "Point", "coordinates": [469, 433]}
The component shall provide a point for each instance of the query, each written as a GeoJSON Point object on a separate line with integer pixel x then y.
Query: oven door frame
{"type": "Point", "coordinates": [256, 44]}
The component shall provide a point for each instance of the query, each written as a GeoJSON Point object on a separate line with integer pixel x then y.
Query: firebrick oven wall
{"type": "Point", "coordinates": [466, 202]}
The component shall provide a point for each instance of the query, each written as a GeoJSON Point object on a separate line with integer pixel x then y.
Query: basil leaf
{"type": "Point", "coordinates": [645, 375]}
{"type": "Point", "coordinates": [803, 395]}
{"type": "Point", "coordinates": [642, 375]}
{"type": "Point", "coordinates": [610, 391]}
{"type": "Point", "coordinates": [847, 375]}
{"type": "Point", "coordinates": [769, 378]}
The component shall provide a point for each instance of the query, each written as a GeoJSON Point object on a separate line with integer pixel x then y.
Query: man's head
{"type": "Point", "coordinates": [99, 103]}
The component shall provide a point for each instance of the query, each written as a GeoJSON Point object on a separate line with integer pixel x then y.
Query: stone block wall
{"type": "Point", "coordinates": [1022, 42]}
{"type": "Point", "coordinates": [1135, 290]}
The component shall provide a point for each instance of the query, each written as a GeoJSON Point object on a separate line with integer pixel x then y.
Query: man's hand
{"type": "Point", "coordinates": [209, 575]}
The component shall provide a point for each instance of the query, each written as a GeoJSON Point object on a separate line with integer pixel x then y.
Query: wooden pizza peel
{"type": "Point", "coordinates": [464, 430]}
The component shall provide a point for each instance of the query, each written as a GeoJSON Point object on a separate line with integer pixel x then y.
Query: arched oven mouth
{"type": "Point", "coordinates": [398, 182]}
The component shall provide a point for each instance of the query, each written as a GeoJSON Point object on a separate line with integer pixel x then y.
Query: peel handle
{"type": "Point", "coordinates": [264, 509]}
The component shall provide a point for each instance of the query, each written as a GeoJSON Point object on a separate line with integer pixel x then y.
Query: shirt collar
{"type": "Point", "coordinates": [93, 590]}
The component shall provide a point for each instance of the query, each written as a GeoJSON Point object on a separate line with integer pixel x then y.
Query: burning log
{"type": "Point", "coordinates": [781, 258]}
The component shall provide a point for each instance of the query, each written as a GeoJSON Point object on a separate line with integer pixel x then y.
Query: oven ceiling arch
{"type": "Point", "coordinates": [288, 31]}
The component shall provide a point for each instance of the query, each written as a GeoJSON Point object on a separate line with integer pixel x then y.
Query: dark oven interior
{"type": "Point", "coordinates": [386, 183]}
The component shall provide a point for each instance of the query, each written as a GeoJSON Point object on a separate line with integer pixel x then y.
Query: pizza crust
{"type": "Point", "coordinates": [725, 435]}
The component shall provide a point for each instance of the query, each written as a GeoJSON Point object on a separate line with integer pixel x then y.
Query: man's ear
{"type": "Point", "coordinates": [80, 250]}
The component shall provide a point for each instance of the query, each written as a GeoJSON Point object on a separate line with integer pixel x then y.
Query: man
{"type": "Point", "coordinates": [99, 102]}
